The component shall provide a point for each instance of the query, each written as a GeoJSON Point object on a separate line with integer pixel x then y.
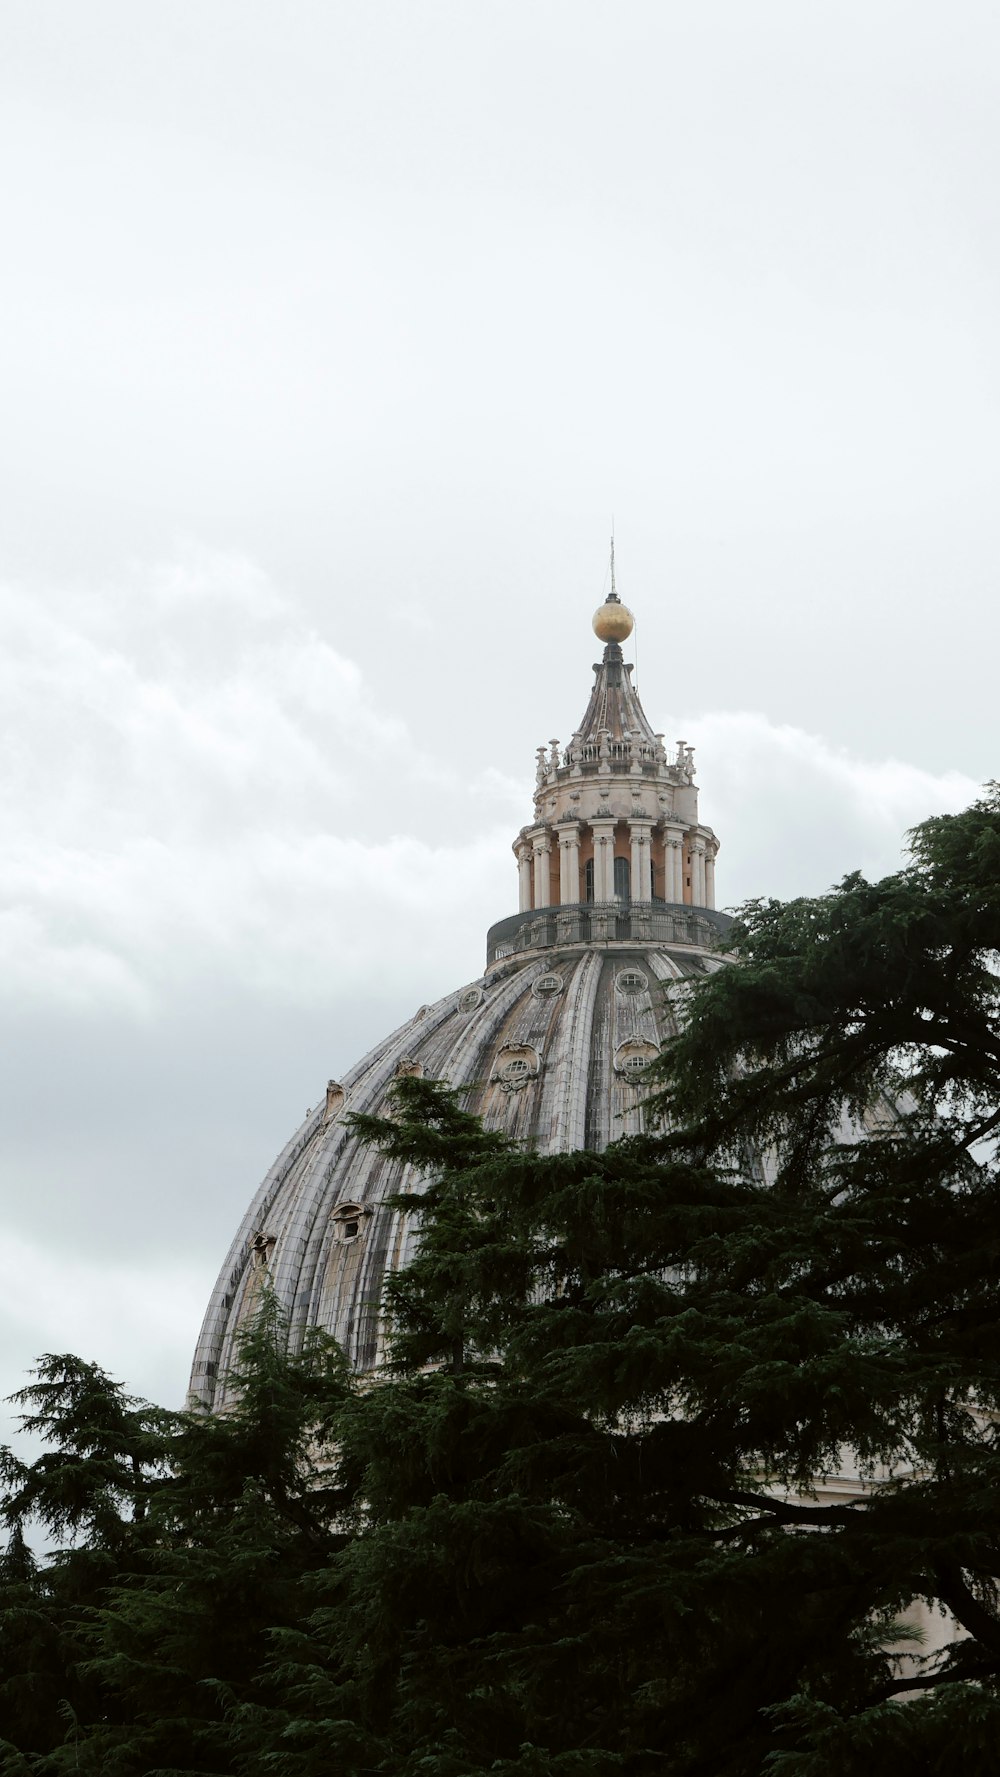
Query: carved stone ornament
{"type": "Point", "coordinates": [334, 1100]}
{"type": "Point", "coordinates": [407, 1068]}
{"type": "Point", "coordinates": [348, 1219]}
{"type": "Point", "coordinates": [632, 1059]}
{"type": "Point", "coordinates": [518, 1065]}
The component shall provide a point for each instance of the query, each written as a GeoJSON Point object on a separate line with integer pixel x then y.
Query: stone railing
{"type": "Point", "coordinates": [607, 922]}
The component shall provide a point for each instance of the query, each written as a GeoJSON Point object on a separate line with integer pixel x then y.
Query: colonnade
{"type": "Point", "coordinates": [687, 863]}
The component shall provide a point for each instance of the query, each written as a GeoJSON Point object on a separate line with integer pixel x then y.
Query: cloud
{"type": "Point", "coordinates": [228, 871]}
{"type": "Point", "coordinates": [138, 1318]}
{"type": "Point", "coordinates": [795, 812]}
{"type": "Point", "coordinates": [195, 782]}
{"type": "Point", "coordinates": [199, 788]}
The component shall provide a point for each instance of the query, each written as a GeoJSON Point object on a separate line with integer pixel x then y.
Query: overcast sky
{"type": "Point", "coordinates": [331, 336]}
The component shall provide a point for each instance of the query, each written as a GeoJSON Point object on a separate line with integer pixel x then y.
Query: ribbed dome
{"type": "Point", "coordinates": [552, 1047]}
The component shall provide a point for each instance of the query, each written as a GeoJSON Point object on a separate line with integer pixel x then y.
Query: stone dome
{"type": "Point", "coordinates": [582, 985]}
{"type": "Point", "coordinates": [552, 1047]}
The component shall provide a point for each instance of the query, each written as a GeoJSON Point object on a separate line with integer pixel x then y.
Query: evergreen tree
{"type": "Point", "coordinates": [89, 1491]}
{"type": "Point", "coordinates": [587, 1534]}
{"type": "Point", "coordinates": [578, 1524]}
{"type": "Point", "coordinates": [190, 1536]}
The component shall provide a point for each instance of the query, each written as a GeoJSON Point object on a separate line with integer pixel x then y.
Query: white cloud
{"type": "Point", "coordinates": [198, 783]}
{"type": "Point", "coordinates": [138, 1317]}
{"type": "Point", "coordinates": [795, 812]}
{"type": "Point", "coordinates": [198, 787]}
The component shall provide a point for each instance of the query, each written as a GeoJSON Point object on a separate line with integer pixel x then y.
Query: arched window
{"type": "Point", "coordinates": [588, 880]}
{"type": "Point", "coordinates": [623, 882]}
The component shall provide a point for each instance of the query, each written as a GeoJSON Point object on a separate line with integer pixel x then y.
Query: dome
{"type": "Point", "coordinates": [581, 988]}
{"type": "Point", "coordinates": [552, 1048]}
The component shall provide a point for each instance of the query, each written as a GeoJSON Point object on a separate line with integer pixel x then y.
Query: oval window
{"type": "Point", "coordinates": [631, 981]}
{"type": "Point", "coordinates": [547, 984]}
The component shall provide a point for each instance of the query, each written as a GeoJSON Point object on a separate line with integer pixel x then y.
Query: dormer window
{"type": "Point", "coordinates": [347, 1218]}
{"type": "Point", "coordinates": [631, 981]}
{"type": "Point", "coordinates": [547, 984]}
{"type": "Point", "coordinates": [632, 1059]}
{"type": "Point", "coordinates": [261, 1248]}
{"type": "Point", "coordinates": [518, 1065]}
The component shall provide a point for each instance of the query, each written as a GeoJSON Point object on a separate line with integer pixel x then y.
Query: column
{"type": "Point", "coordinates": [541, 848]}
{"type": "Point", "coordinates": [569, 866]}
{"type": "Point", "coordinates": [673, 885]}
{"type": "Point", "coordinates": [524, 877]}
{"type": "Point", "coordinates": [642, 889]}
{"type": "Point", "coordinates": [710, 878]}
{"type": "Point", "coordinates": [698, 872]}
{"type": "Point", "coordinates": [604, 860]}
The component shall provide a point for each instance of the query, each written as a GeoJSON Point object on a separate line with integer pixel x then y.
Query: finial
{"type": "Point", "coordinates": [613, 621]}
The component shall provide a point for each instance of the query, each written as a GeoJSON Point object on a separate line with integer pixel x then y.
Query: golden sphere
{"type": "Point", "coordinates": [613, 621]}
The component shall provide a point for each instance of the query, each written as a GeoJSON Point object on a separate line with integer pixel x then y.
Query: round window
{"type": "Point", "coordinates": [631, 981]}
{"type": "Point", "coordinates": [548, 984]}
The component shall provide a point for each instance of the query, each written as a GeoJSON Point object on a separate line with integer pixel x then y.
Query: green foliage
{"type": "Point", "coordinates": [597, 1514]}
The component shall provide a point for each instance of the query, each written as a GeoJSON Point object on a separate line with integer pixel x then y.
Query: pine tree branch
{"type": "Point", "coordinates": [784, 1512]}
{"type": "Point", "coordinates": [965, 1607]}
{"type": "Point", "coordinates": [969, 1140]}
{"type": "Point", "coordinates": [971, 1674]}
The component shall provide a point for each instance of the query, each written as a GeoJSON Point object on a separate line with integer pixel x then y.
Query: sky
{"type": "Point", "coordinates": [331, 338]}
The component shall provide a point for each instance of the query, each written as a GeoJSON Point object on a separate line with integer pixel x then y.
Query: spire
{"type": "Point", "coordinates": [613, 621]}
{"type": "Point", "coordinates": [614, 714]}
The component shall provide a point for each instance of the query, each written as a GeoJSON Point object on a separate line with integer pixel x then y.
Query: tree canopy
{"type": "Point", "coordinates": [674, 1443]}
